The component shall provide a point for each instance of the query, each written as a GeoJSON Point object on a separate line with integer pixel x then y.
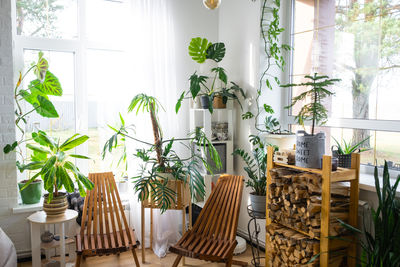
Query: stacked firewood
{"type": "Point", "coordinates": [286, 247]}
{"type": "Point", "coordinates": [295, 201]}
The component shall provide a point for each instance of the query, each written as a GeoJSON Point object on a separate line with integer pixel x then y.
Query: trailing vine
{"type": "Point", "coordinates": [270, 33]}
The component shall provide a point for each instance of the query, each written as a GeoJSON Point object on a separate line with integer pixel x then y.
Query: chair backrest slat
{"type": "Point", "coordinates": [220, 215]}
{"type": "Point", "coordinates": [101, 241]}
{"type": "Point", "coordinates": [95, 209]}
{"type": "Point", "coordinates": [116, 214]}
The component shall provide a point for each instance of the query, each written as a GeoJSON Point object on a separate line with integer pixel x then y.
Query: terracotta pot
{"type": "Point", "coordinates": [218, 103]}
{"type": "Point", "coordinates": [57, 206]}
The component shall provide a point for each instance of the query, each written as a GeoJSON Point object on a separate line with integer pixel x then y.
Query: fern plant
{"type": "Point", "coordinates": [313, 111]}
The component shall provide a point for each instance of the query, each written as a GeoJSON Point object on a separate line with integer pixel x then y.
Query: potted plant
{"type": "Point", "coordinates": [161, 163]}
{"type": "Point", "coordinates": [380, 243]}
{"type": "Point", "coordinates": [209, 89]}
{"type": "Point", "coordinates": [311, 147]}
{"type": "Point", "coordinates": [32, 192]}
{"type": "Point", "coordinates": [51, 159]}
{"type": "Point", "coordinates": [343, 152]}
{"type": "Point", "coordinates": [256, 166]}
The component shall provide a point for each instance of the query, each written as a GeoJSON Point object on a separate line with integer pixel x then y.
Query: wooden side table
{"type": "Point", "coordinates": [40, 218]}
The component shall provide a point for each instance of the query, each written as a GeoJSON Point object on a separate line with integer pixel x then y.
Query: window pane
{"type": "Point", "coordinates": [356, 41]}
{"type": "Point", "coordinates": [61, 64]}
{"type": "Point", "coordinates": [106, 21]}
{"type": "Point", "coordinates": [109, 94]}
{"type": "Point", "coordinates": [47, 18]}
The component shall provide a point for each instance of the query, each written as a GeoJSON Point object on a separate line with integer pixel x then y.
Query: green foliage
{"type": "Point", "coordinates": [160, 157]}
{"type": "Point", "coordinates": [381, 244]}
{"type": "Point", "coordinates": [247, 115]}
{"type": "Point", "coordinates": [256, 166]}
{"type": "Point", "coordinates": [273, 54]}
{"type": "Point", "coordinates": [216, 52]}
{"type": "Point", "coordinates": [51, 161]}
{"type": "Point", "coordinates": [198, 49]}
{"type": "Point", "coordinates": [36, 94]}
{"type": "Point", "coordinates": [315, 110]}
{"type": "Point", "coordinates": [347, 147]}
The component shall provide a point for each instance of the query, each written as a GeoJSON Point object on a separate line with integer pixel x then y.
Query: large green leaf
{"type": "Point", "coordinates": [45, 108]}
{"type": "Point", "coordinates": [65, 179]}
{"type": "Point", "coordinates": [179, 103]}
{"type": "Point", "coordinates": [37, 149]}
{"type": "Point", "coordinates": [41, 67]}
{"type": "Point", "coordinates": [198, 49]}
{"type": "Point", "coordinates": [51, 85]}
{"type": "Point", "coordinates": [35, 165]}
{"type": "Point", "coordinates": [48, 178]}
{"type": "Point", "coordinates": [221, 74]}
{"type": "Point", "coordinates": [216, 52]}
{"type": "Point", "coordinates": [195, 82]}
{"type": "Point", "coordinates": [74, 143]}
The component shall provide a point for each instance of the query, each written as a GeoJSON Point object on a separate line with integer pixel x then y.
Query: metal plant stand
{"type": "Point", "coordinates": [253, 235]}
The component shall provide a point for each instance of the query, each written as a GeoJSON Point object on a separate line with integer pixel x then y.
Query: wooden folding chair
{"type": "Point", "coordinates": [213, 237]}
{"type": "Point", "coordinates": [104, 228]}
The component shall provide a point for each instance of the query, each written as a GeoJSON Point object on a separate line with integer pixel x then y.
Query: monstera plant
{"type": "Point", "coordinates": [209, 87]}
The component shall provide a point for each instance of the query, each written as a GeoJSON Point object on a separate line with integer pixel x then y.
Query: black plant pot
{"type": "Point", "coordinates": [344, 160]}
{"type": "Point", "coordinates": [205, 101]}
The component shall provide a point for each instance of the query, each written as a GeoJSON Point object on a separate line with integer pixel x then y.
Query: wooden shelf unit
{"type": "Point", "coordinates": [328, 177]}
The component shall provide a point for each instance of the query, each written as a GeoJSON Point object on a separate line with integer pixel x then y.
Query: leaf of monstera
{"type": "Point", "coordinates": [198, 49]}
{"type": "Point", "coordinates": [41, 67]}
{"type": "Point", "coordinates": [195, 82]}
{"type": "Point", "coordinates": [51, 85]}
{"type": "Point", "coordinates": [216, 52]}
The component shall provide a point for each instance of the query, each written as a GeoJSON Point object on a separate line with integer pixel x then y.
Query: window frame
{"type": "Point", "coordinates": [346, 123]}
{"type": "Point", "coordinates": [78, 47]}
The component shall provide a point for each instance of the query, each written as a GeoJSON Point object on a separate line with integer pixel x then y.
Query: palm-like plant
{"type": "Point", "coordinates": [52, 161]}
{"type": "Point", "coordinates": [256, 166]}
{"type": "Point", "coordinates": [160, 157]}
{"type": "Point", "coordinates": [347, 147]}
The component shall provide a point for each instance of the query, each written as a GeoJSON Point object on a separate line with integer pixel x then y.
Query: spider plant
{"type": "Point", "coordinates": [347, 147]}
{"type": "Point", "coordinates": [159, 157]}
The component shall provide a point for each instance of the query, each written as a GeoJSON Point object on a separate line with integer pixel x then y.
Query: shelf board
{"type": "Point", "coordinates": [221, 142]}
{"type": "Point", "coordinates": [55, 243]}
{"type": "Point", "coordinates": [341, 175]}
{"type": "Point", "coordinates": [215, 109]}
{"type": "Point", "coordinates": [297, 230]}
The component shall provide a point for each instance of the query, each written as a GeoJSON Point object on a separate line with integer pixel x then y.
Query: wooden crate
{"type": "Point", "coordinates": [328, 185]}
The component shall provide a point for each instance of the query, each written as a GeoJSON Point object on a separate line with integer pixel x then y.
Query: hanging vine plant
{"type": "Point", "coordinates": [273, 51]}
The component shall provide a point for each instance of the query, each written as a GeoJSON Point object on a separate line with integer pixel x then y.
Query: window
{"type": "Point", "coordinates": [358, 42]}
{"type": "Point", "coordinates": [85, 46]}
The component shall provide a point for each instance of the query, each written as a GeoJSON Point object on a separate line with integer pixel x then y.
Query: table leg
{"type": "Point", "coordinates": [35, 244]}
{"type": "Point", "coordinates": [62, 244]}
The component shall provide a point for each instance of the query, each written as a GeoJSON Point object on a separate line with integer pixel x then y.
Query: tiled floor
{"type": "Point", "coordinates": [126, 259]}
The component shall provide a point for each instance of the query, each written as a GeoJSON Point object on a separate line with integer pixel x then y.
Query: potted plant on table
{"type": "Point", "coordinates": [311, 147]}
{"type": "Point", "coordinates": [343, 152]}
{"type": "Point", "coordinates": [213, 90]}
{"type": "Point", "coordinates": [48, 160]}
{"type": "Point", "coordinates": [52, 161]}
{"type": "Point", "coordinates": [256, 167]}
{"type": "Point", "coordinates": [161, 163]}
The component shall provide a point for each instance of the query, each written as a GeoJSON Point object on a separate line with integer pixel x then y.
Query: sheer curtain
{"type": "Point", "coordinates": [153, 71]}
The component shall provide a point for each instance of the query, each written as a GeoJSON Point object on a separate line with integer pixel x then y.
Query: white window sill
{"type": "Point", "coordinates": [25, 208]}
{"type": "Point", "coordinates": [367, 182]}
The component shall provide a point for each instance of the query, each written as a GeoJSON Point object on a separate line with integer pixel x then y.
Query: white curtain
{"type": "Point", "coordinates": [154, 73]}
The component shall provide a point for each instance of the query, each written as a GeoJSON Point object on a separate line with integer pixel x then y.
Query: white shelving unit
{"type": "Point", "coordinates": [203, 118]}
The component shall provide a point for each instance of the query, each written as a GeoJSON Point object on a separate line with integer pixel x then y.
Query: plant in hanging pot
{"type": "Point", "coordinates": [311, 147]}
{"type": "Point", "coordinates": [213, 90]}
{"type": "Point", "coordinates": [343, 152]}
{"type": "Point", "coordinates": [256, 166]}
{"type": "Point", "coordinates": [162, 167]}
{"type": "Point", "coordinates": [52, 162]}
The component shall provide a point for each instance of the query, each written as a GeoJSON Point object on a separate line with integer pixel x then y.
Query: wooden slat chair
{"type": "Point", "coordinates": [213, 237]}
{"type": "Point", "coordinates": [104, 228]}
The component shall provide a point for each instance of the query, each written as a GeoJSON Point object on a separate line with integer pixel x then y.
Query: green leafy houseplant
{"type": "Point", "coordinates": [160, 158]}
{"type": "Point", "coordinates": [314, 111]}
{"type": "Point", "coordinates": [201, 49]}
{"type": "Point", "coordinates": [381, 245]}
{"type": "Point", "coordinates": [348, 147]}
{"type": "Point", "coordinates": [52, 161]}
